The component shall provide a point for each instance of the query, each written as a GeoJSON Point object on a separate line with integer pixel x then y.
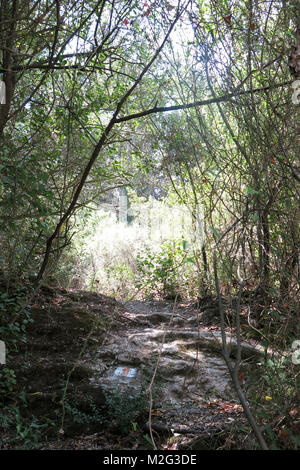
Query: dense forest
{"type": "Point", "coordinates": [149, 205]}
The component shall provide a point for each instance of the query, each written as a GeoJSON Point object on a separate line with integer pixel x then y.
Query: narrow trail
{"type": "Point", "coordinates": [188, 366]}
{"type": "Point", "coordinates": [83, 344]}
{"type": "Point", "coordinates": [192, 389]}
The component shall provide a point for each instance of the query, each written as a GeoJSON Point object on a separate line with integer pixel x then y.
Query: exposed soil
{"type": "Point", "coordinates": [89, 360]}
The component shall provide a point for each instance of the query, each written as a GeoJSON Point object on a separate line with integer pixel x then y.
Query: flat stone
{"type": "Point", "coordinates": [127, 372]}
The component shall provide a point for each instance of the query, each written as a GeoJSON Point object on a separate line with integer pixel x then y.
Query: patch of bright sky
{"type": "Point", "coordinates": [182, 38]}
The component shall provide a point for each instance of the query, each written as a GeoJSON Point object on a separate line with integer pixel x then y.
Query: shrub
{"type": "Point", "coordinates": [273, 390]}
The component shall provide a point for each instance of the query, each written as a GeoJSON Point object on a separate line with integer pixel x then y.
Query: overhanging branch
{"type": "Point", "coordinates": [220, 99]}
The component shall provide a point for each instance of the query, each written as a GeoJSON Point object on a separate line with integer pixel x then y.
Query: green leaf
{"type": "Point", "coordinates": [251, 190]}
{"type": "Point", "coordinates": [215, 232]}
{"type": "Point", "coordinates": [148, 439]}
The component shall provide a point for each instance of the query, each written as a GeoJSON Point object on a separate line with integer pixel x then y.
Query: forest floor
{"type": "Point", "coordinates": [85, 371]}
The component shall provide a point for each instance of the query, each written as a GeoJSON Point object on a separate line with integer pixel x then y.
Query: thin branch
{"type": "Point", "coordinates": [195, 104]}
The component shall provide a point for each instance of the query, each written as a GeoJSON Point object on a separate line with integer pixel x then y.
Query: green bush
{"type": "Point", "coordinates": [14, 317]}
{"type": "Point", "coordinates": [23, 433]}
{"type": "Point", "coordinates": [160, 272]}
{"type": "Point", "coordinates": [123, 407]}
{"type": "Point", "coordinates": [273, 391]}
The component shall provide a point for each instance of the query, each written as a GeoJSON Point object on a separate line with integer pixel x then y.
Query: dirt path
{"type": "Point", "coordinates": [83, 344]}
{"type": "Point", "coordinates": [188, 367]}
{"type": "Point", "coordinates": [192, 388]}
